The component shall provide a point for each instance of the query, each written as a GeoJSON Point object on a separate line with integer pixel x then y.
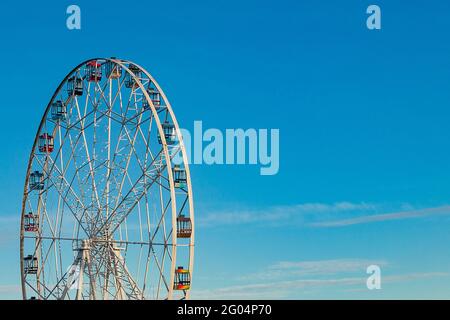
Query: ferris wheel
{"type": "Point", "coordinates": [107, 210]}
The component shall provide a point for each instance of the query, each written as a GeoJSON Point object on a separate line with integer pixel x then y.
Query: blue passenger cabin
{"type": "Point", "coordinates": [58, 110]}
{"type": "Point", "coordinates": [36, 181]}
{"type": "Point", "coordinates": [169, 133]}
{"type": "Point", "coordinates": [75, 86]}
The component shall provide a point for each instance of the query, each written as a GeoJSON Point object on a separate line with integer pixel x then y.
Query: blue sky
{"type": "Point", "coordinates": [363, 119]}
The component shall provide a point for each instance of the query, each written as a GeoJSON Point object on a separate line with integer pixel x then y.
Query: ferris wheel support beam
{"type": "Point", "coordinates": [105, 285]}
{"type": "Point", "coordinates": [80, 277]}
{"type": "Point", "coordinates": [120, 292]}
{"type": "Point", "coordinates": [82, 260]}
{"type": "Point", "coordinates": [123, 271]}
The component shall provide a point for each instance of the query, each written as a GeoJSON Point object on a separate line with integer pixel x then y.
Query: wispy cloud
{"type": "Point", "coordinates": [10, 291]}
{"type": "Point", "coordinates": [277, 214]}
{"type": "Point", "coordinates": [303, 279]}
{"type": "Point", "coordinates": [270, 290]}
{"type": "Point", "coordinates": [290, 289]}
{"type": "Point", "coordinates": [288, 269]}
{"type": "Point", "coordinates": [443, 210]}
{"type": "Point", "coordinates": [321, 215]}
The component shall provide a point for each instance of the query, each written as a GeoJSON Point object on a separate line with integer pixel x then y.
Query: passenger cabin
{"type": "Point", "coordinates": [30, 264]}
{"type": "Point", "coordinates": [46, 143]}
{"type": "Point", "coordinates": [31, 223]}
{"type": "Point", "coordinates": [155, 97]}
{"type": "Point", "coordinates": [113, 70]}
{"type": "Point", "coordinates": [182, 279]}
{"type": "Point", "coordinates": [184, 227]}
{"type": "Point", "coordinates": [36, 181]}
{"type": "Point", "coordinates": [179, 176]}
{"type": "Point", "coordinates": [59, 111]}
{"type": "Point", "coordinates": [129, 79]}
{"type": "Point", "coordinates": [169, 133]}
{"type": "Point", "coordinates": [93, 71]}
{"type": "Point", "coordinates": [75, 86]}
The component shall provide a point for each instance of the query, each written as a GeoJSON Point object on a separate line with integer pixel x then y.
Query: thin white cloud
{"type": "Point", "coordinates": [326, 266]}
{"type": "Point", "coordinates": [289, 289]}
{"type": "Point", "coordinates": [279, 213]}
{"type": "Point", "coordinates": [321, 215]}
{"type": "Point", "coordinates": [270, 290]}
{"type": "Point", "coordinates": [443, 210]}
{"type": "Point", "coordinates": [10, 292]}
{"type": "Point", "coordinates": [288, 269]}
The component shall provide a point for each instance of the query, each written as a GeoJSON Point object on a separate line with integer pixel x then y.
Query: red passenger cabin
{"type": "Point", "coordinates": [31, 222]}
{"type": "Point", "coordinates": [46, 143]}
{"type": "Point", "coordinates": [93, 71]}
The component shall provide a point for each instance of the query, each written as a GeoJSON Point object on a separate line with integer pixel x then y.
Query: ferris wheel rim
{"type": "Point", "coordinates": [186, 165]}
{"type": "Point", "coordinates": [122, 64]}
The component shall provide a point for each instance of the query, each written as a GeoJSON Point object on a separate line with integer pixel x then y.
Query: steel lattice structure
{"type": "Point", "coordinates": [107, 210]}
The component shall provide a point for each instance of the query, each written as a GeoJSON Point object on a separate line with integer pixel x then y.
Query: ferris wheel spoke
{"type": "Point", "coordinates": [127, 162]}
{"type": "Point", "coordinates": [117, 94]}
{"type": "Point", "coordinates": [77, 204]}
{"type": "Point", "coordinates": [133, 151]}
{"type": "Point", "coordinates": [48, 219]}
{"type": "Point", "coordinates": [59, 210]}
{"type": "Point", "coordinates": [76, 167]}
{"type": "Point", "coordinates": [74, 207]}
{"type": "Point", "coordinates": [91, 172]}
{"type": "Point", "coordinates": [161, 271]}
{"type": "Point", "coordinates": [34, 290]}
{"type": "Point", "coordinates": [57, 285]}
{"type": "Point", "coordinates": [77, 125]}
{"type": "Point", "coordinates": [116, 153]}
{"type": "Point", "coordinates": [148, 150]}
{"type": "Point", "coordinates": [148, 283]}
{"type": "Point", "coordinates": [42, 211]}
{"type": "Point", "coordinates": [111, 101]}
{"type": "Point", "coordinates": [161, 219]}
{"type": "Point", "coordinates": [160, 280]}
{"type": "Point", "coordinates": [44, 258]}
{"type": "Point", "coordinates": [118, 215]}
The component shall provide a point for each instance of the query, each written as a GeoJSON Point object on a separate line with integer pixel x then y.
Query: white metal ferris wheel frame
{"type": "Point", "coordinates": [123, 64]}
